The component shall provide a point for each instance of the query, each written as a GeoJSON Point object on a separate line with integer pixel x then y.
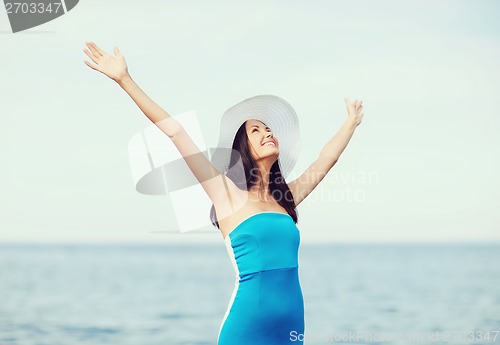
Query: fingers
{"type": "Point", "coordinates": [117, 52]}
{"type": "Point", "coordinates": [355, 108]}
{"type": "Point", "coordinates": [357, 103]}
{"type": "Point", "coordinates": [348, 104]}
{"type": "Point", "coordinates": [93, 49]}
{"type": "Point", "coordinates": [99, 50]}
{"type": "Point", "coordinates": [91, 56]}
{"type": "Point", "coordinates": [90, 65]}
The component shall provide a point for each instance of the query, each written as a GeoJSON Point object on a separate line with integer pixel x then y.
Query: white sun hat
{"type": "Point", "coordinates": [272, 110]}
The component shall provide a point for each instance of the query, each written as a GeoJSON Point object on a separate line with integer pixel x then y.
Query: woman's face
{"type": "Point", "coordinates": [261, 141]}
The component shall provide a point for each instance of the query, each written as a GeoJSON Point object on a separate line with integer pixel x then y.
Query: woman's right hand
{"type": "Point", "coordinates": [113, 67]}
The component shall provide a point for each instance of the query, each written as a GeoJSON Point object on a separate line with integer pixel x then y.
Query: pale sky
{"type": "Point", "coordinates": [421, 167]}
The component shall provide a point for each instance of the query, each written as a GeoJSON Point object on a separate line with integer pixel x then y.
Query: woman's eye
{"type": "Point", "coordinates": [255, 129]}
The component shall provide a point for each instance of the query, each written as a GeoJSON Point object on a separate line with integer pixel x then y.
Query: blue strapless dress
{"type": "Point", "coordinates": [266, 306]}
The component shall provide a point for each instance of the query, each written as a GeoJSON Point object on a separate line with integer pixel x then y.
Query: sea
{"type": "Point", "coordinates": [159, 294]}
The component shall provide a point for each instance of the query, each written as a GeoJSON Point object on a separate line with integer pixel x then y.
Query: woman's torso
{"type": "Point", "coordinates": [242, 205]}
{"type": "Point", "coordinates": [267, 305]}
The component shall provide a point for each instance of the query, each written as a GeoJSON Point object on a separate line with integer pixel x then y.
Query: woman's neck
{"type": "Point", "coordinates": [261, 194]}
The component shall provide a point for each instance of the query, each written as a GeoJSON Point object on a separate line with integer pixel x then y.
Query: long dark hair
{"type": "Point", "coordinates": [277, 184]}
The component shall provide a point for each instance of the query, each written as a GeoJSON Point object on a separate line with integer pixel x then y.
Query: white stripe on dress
{"type": "Point", "coordinates": [231, 254]}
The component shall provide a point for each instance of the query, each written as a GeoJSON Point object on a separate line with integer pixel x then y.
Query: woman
{"type": "Point", "coordinates": [253, 207]}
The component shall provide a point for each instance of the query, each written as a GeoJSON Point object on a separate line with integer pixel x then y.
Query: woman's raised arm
{"type": "Point", "coordinates": [115, 67]}
{"type": "Point", "coordinates": [218, 189]}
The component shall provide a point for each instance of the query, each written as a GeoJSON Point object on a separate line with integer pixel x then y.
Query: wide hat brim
{"type": "Point", "coordinates": [272, 110]}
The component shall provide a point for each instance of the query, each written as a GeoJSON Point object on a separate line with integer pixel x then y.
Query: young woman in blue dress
{"type": "Point", "coordinates": [253, 206]}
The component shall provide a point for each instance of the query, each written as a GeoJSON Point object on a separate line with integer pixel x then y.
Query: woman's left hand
{"type": "Point", "coordinates": [354, 110]}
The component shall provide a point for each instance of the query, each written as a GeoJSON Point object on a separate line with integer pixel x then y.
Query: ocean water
{"type": "Point", "coordinates": [178, 294]}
